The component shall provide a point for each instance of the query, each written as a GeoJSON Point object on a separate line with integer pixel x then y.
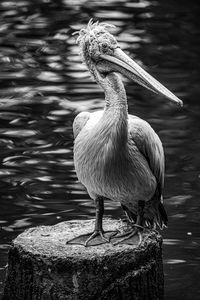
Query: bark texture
{"type": "Point", "coordinates": [42, 266]}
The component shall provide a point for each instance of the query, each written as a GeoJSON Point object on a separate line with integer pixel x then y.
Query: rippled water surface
{"type": "Point", "coordinates": [44, 85]}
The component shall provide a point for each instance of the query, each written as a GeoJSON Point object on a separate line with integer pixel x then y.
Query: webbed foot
{"type": "Point", "coordinates": [132, 237]}
{"type": "Point", "coordinates": [97, 237]}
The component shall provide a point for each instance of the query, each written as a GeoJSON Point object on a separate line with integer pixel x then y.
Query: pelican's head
{"type": "Point", "coordinates": [102, 55]}
{"type": "Point", "coordinates": [95, 41]}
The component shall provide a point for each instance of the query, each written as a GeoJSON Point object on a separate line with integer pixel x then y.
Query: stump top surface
{"type": "Point", "coordinates": [50, 241]}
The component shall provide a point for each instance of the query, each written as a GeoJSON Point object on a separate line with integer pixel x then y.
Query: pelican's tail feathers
{"type": "Point", "coordinates": [156, 211]}
{"type": "Point", "coordinates": [155, 214]}
{"type": "Point", "coordinates": [163, 219]}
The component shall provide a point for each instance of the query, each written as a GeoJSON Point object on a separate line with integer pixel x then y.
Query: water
{"type": "Point", "coordinates": [44, 85]}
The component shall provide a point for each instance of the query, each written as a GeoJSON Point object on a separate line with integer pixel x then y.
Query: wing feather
{"type": "Point", "coordinates": [79, 122]}
{"type": "Point", "coordinates": [149, 144]}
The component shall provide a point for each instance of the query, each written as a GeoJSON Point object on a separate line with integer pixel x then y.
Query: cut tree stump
{"type": "Point", "coordinates": [41, 266]}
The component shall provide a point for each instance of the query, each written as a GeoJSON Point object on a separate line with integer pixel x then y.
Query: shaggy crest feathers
{"type": "Point", "coordinates": [93, 41]}
{"type": "Point", "coordinates": [92, 31]}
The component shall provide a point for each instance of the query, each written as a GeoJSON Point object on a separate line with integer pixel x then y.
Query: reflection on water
{"type": "Point", "coordinates": [44, 85]}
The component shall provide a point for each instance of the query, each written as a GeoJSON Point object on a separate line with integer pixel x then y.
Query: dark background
{"type": "Point", "coordinates": [44, 85]}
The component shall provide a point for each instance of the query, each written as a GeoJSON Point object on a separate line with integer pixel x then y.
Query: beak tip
{"type": "Point", "coordinates": [180, 103]}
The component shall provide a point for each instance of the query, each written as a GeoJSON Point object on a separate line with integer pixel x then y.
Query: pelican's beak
{"type": "Point", "coordinates": [120, 62]}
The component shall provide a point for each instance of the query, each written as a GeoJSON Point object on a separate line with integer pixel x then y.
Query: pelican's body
{"type": "Point", "coordinates": [114, 155]}
{"type": "Point", "coordinates": [118, 156]}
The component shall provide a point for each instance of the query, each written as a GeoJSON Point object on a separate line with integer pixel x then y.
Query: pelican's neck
{"type": "Point", "coordinates": [115, 94]}
{"type": "Point", "coordinates": [112, 84]}
{"type": "Point", "coordinates": [115, 117]}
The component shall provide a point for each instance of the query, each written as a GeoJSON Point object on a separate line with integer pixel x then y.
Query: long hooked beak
{"type": "Point", "coordinates": [120, 62]}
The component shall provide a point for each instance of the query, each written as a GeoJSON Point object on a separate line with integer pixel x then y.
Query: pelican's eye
{"type": "Point", "coordinates": [104, 46]}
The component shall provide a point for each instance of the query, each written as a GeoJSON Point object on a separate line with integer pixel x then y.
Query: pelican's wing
{"type": "Point", "coordinates": [149, 144]}
{"type": "Point", "coordinates": [87, 120]}
{"type": "Point", "coordinates": [79, 122]}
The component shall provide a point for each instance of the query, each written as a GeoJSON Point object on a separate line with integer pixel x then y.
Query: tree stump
{"type": "Point", "coordinates": [41, 266]}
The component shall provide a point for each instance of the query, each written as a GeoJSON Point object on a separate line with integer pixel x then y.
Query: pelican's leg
{"type": "Point", "coordinates": [98, 228]}
{"type": "Point", "coordinates": [137, 227]}
{"type": "Point", "coordinates": [98, 233]}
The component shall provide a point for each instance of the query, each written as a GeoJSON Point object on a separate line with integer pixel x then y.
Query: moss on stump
{"type": "Point", "coordinates": [42, 266]}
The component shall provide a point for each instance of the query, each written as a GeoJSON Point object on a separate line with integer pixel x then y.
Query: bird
{"type": "Point", "coordinates": [118, 156]}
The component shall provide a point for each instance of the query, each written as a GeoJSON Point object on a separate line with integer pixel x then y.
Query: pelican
{"type": "Point", "coordinates": [118, 156]}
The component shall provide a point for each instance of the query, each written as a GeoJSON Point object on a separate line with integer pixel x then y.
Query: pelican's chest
{"type": "Point", "coordinates": [88, 158]}
{"type": "Point", "coordinates": [108, 165]}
